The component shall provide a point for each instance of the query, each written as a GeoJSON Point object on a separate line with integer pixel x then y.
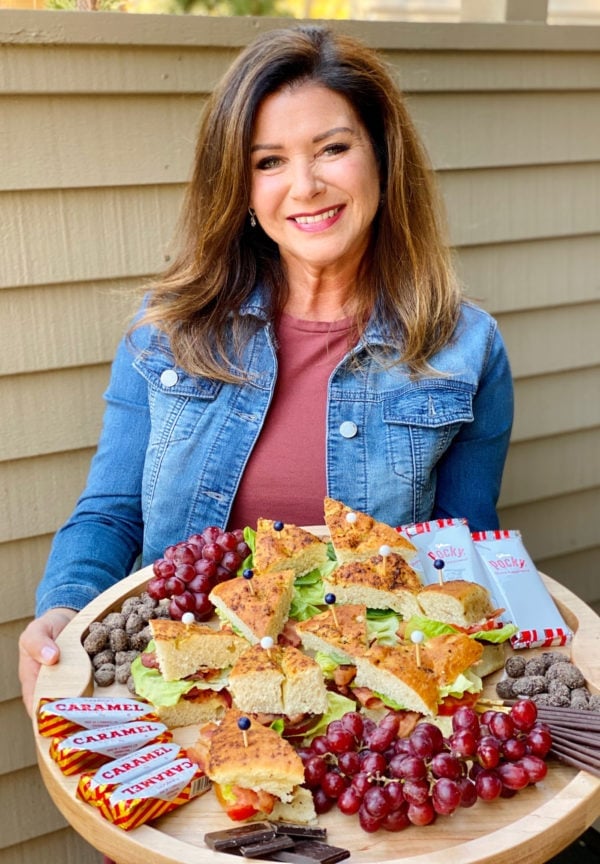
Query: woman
{"type": "Point", "coordinates": [309, 338]}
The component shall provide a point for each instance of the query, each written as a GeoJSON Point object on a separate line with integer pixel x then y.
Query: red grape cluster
{"type": "Point", "coordinates": [392, 782]}
{"type": "Point", "coordinates": [189, 570]}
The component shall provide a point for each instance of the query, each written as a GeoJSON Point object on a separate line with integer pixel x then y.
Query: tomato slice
{"type": "Point", "coordinates": [238, 803]}
{"type": "Point", "coordinates": [451, 703]}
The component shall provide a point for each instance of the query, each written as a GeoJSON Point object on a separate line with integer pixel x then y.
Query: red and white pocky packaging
{"type": "Point", "coordinates": [67, 715]}
{"type": "Point", "coordinates": [88, 749]}
{"type": "Point", "coordinates": [450, 541]}
{"type": "Point", "coordinates": [146, 796]}
{"type": "Point", "coordinates": [521, 590]}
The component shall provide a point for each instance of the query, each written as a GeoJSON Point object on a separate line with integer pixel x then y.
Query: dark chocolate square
{"type": "Point", "coordinates": [232, 838]}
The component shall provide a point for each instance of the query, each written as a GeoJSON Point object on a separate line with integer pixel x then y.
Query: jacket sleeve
{"type": "Point", "coordinates": [101, 540]}
{"type": "Point", "coordinates": [470, 473]}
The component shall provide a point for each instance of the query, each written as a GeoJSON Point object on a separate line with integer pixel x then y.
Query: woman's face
{"type": "Point", "coordinates": [315, 182]}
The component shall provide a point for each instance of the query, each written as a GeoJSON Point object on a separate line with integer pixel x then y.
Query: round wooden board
{"type": "Point", "coordinates": [529, 828]}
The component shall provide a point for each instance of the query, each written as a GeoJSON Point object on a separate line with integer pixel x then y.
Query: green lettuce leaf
{"type": "Point", "coordinates": [329, 662]}
{"type": "Point", "coordinates": [150, 685]}
{"type": "Point", "coordinates": [337, 706]}
{"type": "Point", "coordinates": [432, 628]}
{"type": "Point", "coordinates": [382, 625]}
{"type": "Point", "coordinates": [466, 682]}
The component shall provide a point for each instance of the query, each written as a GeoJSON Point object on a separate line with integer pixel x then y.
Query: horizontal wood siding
{"type": "Point", "coordinates": [99, 114]}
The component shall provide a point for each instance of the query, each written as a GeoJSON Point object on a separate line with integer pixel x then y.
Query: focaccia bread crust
{"type": "Point", "coordinates": [379, 583]}
{"type": "Point", "coordinates": [450, 654]}
{"type": "Point", "coordinates": [361, 538]}
{"type": "Point", "coordinates": [262, 760]}
{"type": "Point", "coordinates": [280, 680]}
{"type": "Point", "coordinates": [393, 672]}
{"type": "Point", "coordinates": [346, 634]}
{"type": "Point", "coordinates": [182, 649]}
{"type": "Point", "coordinates": [258, 609]}
{"type": "Point", "coordinates": [291, 548]}
{"type": "Point", "coordinates": [456, 602]}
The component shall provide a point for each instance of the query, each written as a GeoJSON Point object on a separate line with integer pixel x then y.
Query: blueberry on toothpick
{"type": "Point", "coordinates": [248, 575]}
{"type": "Point", "coordinates": [439, 565]}
{"type": "Point", "coordinates": [243, 725]}
{"type": "Point", "coordinates": [330, 600]}
{"type": "Point", "coordinates": [417, 637]}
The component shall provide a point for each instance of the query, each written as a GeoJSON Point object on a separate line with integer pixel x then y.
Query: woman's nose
{"type": "Point", "coordinates": [306, 182]}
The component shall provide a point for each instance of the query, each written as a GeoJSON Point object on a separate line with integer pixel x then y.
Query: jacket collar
{"type": "Point", "coordinates": [257, 304]}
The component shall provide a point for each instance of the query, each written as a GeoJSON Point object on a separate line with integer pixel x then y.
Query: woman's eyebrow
{"type": "Point", "coordinates": [321, 137]}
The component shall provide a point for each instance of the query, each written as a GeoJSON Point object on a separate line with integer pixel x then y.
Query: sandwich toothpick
{"type": "Point", "coordinates": [439, 565]}
{"type": "Point", "coordinates": [351, 518]}
{"type": "Point", "coordinates": [243, 725]}
{"type": "Point", "coordinates": [278, 526]}
{"type": "Point", "coordinates": [188, 618]}
{"type": "Point", "coordinates": [330, 600]}
{"type": "Point", "coordinates": [385, 551]}
{"type": "Point", "coordinates": [267, 643]}
{"type": "Point", "coordinates": [248, 575]}
{"type": "Point", "coordinates": [417, 637]}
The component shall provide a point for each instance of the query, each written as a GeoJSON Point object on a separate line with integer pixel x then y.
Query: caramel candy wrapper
{"type": "Point", "coordinates": [68, 715]}
{"type": "Point", "coordinates": [148, 795]}
{"type": "Point", "coordinates": [126, 769]}
{"type": "Point", "coordinates": [88, 749]}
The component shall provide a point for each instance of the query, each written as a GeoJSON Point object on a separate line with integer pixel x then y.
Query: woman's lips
{"type": "Point", "coordinates": [317, 219]}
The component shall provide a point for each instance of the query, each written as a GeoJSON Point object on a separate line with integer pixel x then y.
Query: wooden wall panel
{"type": "Point", "coordinates": [57, 235]}
{"type": "Point", "coordinates": [56, 326]}
{"type": "Point", "coordinates": [43, 492]}
{"type": "Point", "coordinates": [22, 563]}
{"type": "Point", "coordinates": [551, 467]}
{"type": "Point", "coordinates": [475, 130]}
{"type": "Point", "coordinates": [81, 141]}
{"type": "Point", "coordinates": [543, 341]}
{"type": "Point", "coordinates": [21, 753]}
{"type": "Point", "coordinates": [56, 411]}
{"type": "Point", "coordinates": [557, 526]}
{"type": "Point", "coordinates": [522, 203]}
{"type": "Point", "coordinates": [32, 810]}
{"type": "Point", "coordinates": [63, 845]}
{"type": "Point", "coordinates": [529, 274]}
{"type": "Point", "coordinates": [549, 405]}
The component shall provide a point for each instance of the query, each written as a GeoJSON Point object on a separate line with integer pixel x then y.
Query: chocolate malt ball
{"type": "Point", "coordinates": [567, 673]}
{"type": "Point", "coordinates": [515, 667]}
{"type": "Point", "coordinates": [529, 685]}
{"type": "Point", "coordinates": [105, 674]}
{"type": "Point", "coordinates": [504, 688]}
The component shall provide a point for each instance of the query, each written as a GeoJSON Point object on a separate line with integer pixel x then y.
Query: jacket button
{"type": "Point", "coordinates": [348, 429]}
{"type": "Point", "coordinates": [169, 378]}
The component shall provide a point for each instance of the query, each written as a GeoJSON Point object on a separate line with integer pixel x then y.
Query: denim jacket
{"type": "Point", "coordinates": [174, 446]}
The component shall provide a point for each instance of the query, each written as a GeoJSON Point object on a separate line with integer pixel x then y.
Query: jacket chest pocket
{"type": "Point", "coordinates": [177, 400]}
{"type": "Point", "coordinates": [420, 423]}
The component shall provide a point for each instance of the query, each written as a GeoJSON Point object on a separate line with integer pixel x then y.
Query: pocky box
{"type": "Point", "coordinates": [521, 590]}
{"type": "Point", "coordinates": [447, 552]}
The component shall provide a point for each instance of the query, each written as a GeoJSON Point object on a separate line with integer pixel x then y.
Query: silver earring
{"type": "Point", "coordinates": [252, 217]}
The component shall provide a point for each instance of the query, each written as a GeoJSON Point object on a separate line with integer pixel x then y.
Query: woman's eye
{"type": "Point", "coordinates": [268, 162]}
{"type": "Point", "coordinates": [334, 149]}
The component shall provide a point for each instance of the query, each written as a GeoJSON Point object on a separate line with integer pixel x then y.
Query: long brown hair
{"type": "Point", "coordinates": [407, 280]}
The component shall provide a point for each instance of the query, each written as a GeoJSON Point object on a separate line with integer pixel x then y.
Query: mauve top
{"type": "Point", "coordinates": [285, 475]}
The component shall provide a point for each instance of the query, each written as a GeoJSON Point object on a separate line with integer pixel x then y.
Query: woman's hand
{"type": "Point", "coordinates": [37, 647]}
